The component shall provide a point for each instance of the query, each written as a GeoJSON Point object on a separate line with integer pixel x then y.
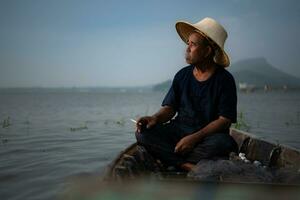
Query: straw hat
{"type": "Point", "coordinates": [211, 30]}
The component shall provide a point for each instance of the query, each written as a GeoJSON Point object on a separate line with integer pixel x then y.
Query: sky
{"type": "Point", "coordinates": [72, 43]}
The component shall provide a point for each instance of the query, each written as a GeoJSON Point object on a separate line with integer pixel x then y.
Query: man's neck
{"type": "Point", "coordinates": [202, 73]}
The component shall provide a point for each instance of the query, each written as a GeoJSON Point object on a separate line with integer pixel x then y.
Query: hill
{"type": "Point", "coordinates": [164, 86]}
{"type": "Point", "coordinates": [258, 72]}
{"type": "Point", "coordinates": [254, 71]}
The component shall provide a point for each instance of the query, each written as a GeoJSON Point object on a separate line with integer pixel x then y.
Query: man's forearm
{"type": "Point", "coordinates": [215, 126]}
{"type": "Point", "coordinates": [165, 114]}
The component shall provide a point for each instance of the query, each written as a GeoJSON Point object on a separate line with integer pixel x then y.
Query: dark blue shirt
{"type": "Point", "coordinates": [198, 103]}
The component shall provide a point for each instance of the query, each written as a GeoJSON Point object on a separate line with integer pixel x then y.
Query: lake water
{"type": "Point", "coordinates": [56, 135]}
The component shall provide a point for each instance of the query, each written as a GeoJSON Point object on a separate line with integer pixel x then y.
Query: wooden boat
{"type": "Point", "coordinates": [272, 156]}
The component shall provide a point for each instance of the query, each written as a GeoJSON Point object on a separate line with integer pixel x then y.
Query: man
{"type": "Point", "coordinates": [203, 95]}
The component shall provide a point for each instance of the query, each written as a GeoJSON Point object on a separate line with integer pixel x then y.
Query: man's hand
{"type": "Point", "coordinates": [145, 122]}
{"type": "Point", "coordinates": [186, 144]}
{"type": "Point", "coordinates": [163, 115]}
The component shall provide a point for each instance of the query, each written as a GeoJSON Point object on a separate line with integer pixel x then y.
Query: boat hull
{"type": "Point", "coordinates": [270, 155]}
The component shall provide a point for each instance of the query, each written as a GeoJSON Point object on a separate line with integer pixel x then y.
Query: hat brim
{"type": "Point", "coordinates": [185, 29]}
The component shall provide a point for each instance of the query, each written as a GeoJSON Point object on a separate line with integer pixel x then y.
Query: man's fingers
{"type": "Point", "coordinates": [144, 122]}
{"type": "Point", "coordinates": [181, 149]}
{"type": "Point", "coordinates": [138, 127]}
{"type": "Point", "coordinates": [150, 124]}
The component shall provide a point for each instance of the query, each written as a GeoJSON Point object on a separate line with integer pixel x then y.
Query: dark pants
{"type": "Point", "coordinates": [161, 140]}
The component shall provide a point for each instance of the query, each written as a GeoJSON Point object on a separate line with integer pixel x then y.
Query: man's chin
{"type": "Point", "coordinates": [188, 61]}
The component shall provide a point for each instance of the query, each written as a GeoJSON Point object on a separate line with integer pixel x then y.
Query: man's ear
{"type": "Point", "coordinates": [209, 51]}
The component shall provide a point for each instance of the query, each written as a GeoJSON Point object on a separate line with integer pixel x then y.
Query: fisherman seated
{"type": "Point", "coordinates": [203, 98]}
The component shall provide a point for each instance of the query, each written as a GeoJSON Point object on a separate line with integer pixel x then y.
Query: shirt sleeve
{"type": "Point", "coordinates": [228, 99]}
{"type": "Point", "coordinates": [171, 98]}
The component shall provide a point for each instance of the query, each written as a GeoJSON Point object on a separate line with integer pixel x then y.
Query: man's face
{"type": "Point", "coordinates": [196, 50]}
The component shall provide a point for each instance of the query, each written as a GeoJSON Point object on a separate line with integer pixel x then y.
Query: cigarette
{"type": "Point", "coordinates": [133, 120]}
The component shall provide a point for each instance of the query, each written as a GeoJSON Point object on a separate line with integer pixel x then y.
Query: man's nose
{"type": "Point", "coordinates": [188, 48]}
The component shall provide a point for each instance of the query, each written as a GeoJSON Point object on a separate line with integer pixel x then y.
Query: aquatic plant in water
{"type": "Point", "coordinates": [79, 128]}
{"type": "Point", "coordinates": [241, 123]}
{"type": "Point", "coordinates": [120, 122]}
{"type": "Point", "coordinates": [6, 122]}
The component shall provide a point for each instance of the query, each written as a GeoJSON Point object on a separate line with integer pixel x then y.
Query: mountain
{"type": "Point", "coordinates": [254, 71]}
{"type": "Point", "coordinates": [164, 86]}
{"type": "Point", "coordinates": [258, 72]}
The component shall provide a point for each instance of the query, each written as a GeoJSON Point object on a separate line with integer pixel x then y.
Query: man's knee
{"type": "Point", "coordinates": [157, 135]}
{"type": "Point", "coordinates": [139, 137]}
{"type": "Point", "coordinates": [218, 145]}
{"type": "Point", "coordinates": [147, 136]}
{"type": "Point", "coordinates": [220, 140]}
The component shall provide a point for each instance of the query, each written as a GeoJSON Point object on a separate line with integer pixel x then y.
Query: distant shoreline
{"type": "Point", "coordinates": [128, 90]}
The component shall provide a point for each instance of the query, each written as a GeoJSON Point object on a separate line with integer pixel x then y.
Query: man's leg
{"type": "Point", "coordinates": [160, 141]}
{"type": "Point", "coordinates": [215, 145]}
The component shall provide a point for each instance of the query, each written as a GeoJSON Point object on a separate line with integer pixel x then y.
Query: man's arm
{"type": "Point", "coordinates": [218, 125]}
{"type": "Point", "coordinates": [165, 114]}
{"type": "Point", "coordinates": [187, 143]}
